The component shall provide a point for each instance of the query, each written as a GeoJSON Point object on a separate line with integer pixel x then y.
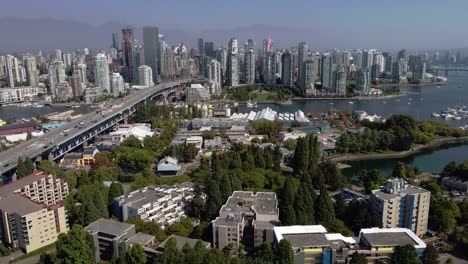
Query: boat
{"type": "Point", "coordinates": [250, 105]}
{"type": "Point", "coordinates": [350, 102]}
{"type": "Point", "coordinates": [384, 102]}
{"type": "Point", "coordinates": [457, 118]}
{"type": "Point", "coordinates": [409, 102]}
{"type": "Point", "coordinates": [397, 100]}
{"type": "Point", "coordinates": [75, 106]}
{"type": "Point", "coordinates": [435, 115]}
{"type": "Point", "coordinates": [236, 104]}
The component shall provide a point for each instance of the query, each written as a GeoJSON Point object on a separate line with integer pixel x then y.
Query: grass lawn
{"type": "Point", "coordinates": [49, 248]}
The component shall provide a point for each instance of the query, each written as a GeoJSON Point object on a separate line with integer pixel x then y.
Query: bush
{"type": "Point", "coordinates": [4, 250]}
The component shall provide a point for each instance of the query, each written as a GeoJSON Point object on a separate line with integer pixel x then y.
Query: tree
{"type": "Point", "coordinates": [300, 160]}
{"type": "Point", "coordinates": [24, 167]}
{"type": "Point", "coordinates": [357, 258]}
{"type": "Point", "coordinates": [287, 215]}
{"type": "Point", "coordinates": [171, 254]}
{"type": "Point", "coordinates": [75, 247]}
{"type": "Point", "coordinates": [284, 253]}
{"type": "Point", "coordinates": [83, 179]}
{"type": "Point", "coordinates": [405, 255]}
{"type": "Point", "coordinates": [115, 190]}
{"type": "Point", "coordinates": [324, 212]}
{"type": "Point", "coordinates": [430, 255]}
{"type": "Point", "coordinates": [264, 252]}
{"type": "Point", "coordinates": [135, 255]}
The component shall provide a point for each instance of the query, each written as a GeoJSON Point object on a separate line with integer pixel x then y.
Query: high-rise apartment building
{"type": "Point", "coordinates": [56, 76]}
{"type": "Point", "coordinates": [151, 50]}
{"type": "Point", "coordinates": [214, 76]}
{"type": "Point", "coordinates": [145, 76]}
{"type": "Point", "coordinates": [286, 70]}
{"type": "Point", "coordinates": [233, 63]}
{"type": "Point", "coordinates": [246, 218]}
{"type": "Point", "coordinates": [340, 80]}
{"type": "Point", "coordinates": [363, 81]}
{"type": "Point", "coordinates": [308, 73]}
{"type": "Point", "coordinates": [11, 64]}
{"type": "Point", "coordinates": [302, 51]}
{"type": "Point", "coordinates": [201, 47]}
{"type": "Point", "coordinates": [127, 49]}
{"type": "Point", "coordinates": [32, 73]}
{"type": "Point", "coordinates": [31, 214]}
{"type": "Point", "coordinates": [327, 70]}
{"type": "Point", "coordinates": [249, 62]}
{"type": "Point", "coordinates": [58, 55]}
{"type": "Point", "coordinates": [398, 204]}
{"type": "Point", "coordinates": [101, 73]}
{"type": "Point", "coordinates": [117, 84]}
{"type": "Point", "coordinates": [357, 59]}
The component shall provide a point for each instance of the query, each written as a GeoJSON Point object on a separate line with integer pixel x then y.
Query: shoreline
{"type": "Point", "coordinates": [390, 96]}
{"type": "Point", "coordinates": [401, 154]}
{"type": "Point", "coordinates": [408, 84]}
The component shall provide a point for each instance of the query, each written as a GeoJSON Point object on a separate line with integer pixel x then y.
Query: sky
{"type": "Point", "coordinates": [420, 23]}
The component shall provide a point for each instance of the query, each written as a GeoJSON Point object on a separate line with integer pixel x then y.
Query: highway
{"type": "Point", "coordinates": [37, 146]}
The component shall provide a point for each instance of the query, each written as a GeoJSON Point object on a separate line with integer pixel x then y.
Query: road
{"type": "Point", "coordinates": [35, 147]}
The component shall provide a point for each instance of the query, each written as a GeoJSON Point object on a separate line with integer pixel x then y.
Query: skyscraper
{"type": "Point", "coordinates": [10, 65]}
{"type": "Point", "coordinates": [67, 60]}
{"type": "Point", "coordinates": [402, 55]}
{"type": "Point", "coordinates": [340, 80]}
{"type": "Point", "coordinates": [214, 76]}
{"type": "Point", "coordinates": [115, 41]}
{"type": "Point", "coordinates": [145, 76]}
{"type": "Point", "coordinates": [357, 59]}
{"type": "Point", "coordinates": [327, 70]}
{"type": "Point", "coordinates": [287, 72]}
{"type": "Point", "coordinates": [75, 83]}
{"type": "Point", "coordinates": [249, 62]}
{"type": "Point", "coordinates": [117, 84]}
{"type": "Point", "coordinates": [56, 76]}
{"type": "Point", "coordinates": [308, 74]}
{"type": "Point", "coordinates": [151, 47]}
{"type": "Point", "coordinates": [101, 73]}
{"type": "Point", "coordinates": [31, 71]}
{"type": "Point", "coordinates": [127, 49]}
{"type": "Point", "coordinates": [302, 50]}
{"type": "Point", "coordinates": [201, 47]}
{"type": "Point", "coordinates": [58, 55]}
{"type": "Point", "coordinates": [388, 59]}
{"type": "Point", "coordinates": [233, 67]}
{"type": "Point", "coordinates": [362, 81]}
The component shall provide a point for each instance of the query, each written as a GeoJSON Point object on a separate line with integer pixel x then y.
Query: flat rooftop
{"type": "Point", "coordinates": [391, 237]}
{"type": "Point", "coordinates": [307, 240]}
{"type": "Point", "coordinates": [110, 227]}
{"type": "Point", "coordinates": [16, 203]}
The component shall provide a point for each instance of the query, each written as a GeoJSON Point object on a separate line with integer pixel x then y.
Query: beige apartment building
{"type": "Point", "coordinates": [246, 218]}
{"type": "Point", "coordinates": [401, 205]}
{"type": "Point", "coordinates": [31, 215]}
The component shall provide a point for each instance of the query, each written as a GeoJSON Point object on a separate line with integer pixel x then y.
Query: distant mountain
{"type": "Point", "coordinates": [48, 34]}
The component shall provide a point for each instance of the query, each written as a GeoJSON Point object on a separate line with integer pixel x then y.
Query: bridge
{"type": "Point", "coordinates": [448, 68]}
{"type": "Point", "coordinates": [57, 142]}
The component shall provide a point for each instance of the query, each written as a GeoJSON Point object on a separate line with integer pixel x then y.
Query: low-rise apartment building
{"type": "Point", "coordinates": [398, 204]}
{"type": "Point", "coordinates": [162, 204]}
{"type": "Point", "coordinates": [246, 218]}
{"type": "Point", "coordinates": [313, 244]}
{"type": "Point", "coordinates": [31, 215]}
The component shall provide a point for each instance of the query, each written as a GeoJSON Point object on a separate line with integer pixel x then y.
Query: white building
{"type": "Point", "coordinates": [117, 84]}
{"type": "Point", "coordinates": [138, 130]}
{"type": "Point", "coordinates": [20, 94]}
{"type": "Point", "coordinates": [214, 76]}
{"type": "Point", "coordinates": [146, 76]}
{"type": "Point", "coordinates": [162, 204]}
{"type": "Point", "coordinates": [233, 61]}
{"type": "Point", "coordinates": [56, 75]}
{"type": "Point", "coordinates": [101, 73]}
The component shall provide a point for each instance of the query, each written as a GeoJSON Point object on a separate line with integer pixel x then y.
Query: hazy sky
{"type": "Point", "coordinates": [417, 21]}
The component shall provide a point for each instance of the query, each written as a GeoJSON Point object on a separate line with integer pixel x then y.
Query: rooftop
{"type": "Point", "coordinates": [110, 227]}
{"type": "Point", "coordinates": [391, 237]}
{"type": "Point", "coordinates": [181, 241]}
{"type": "Point", "coordinates": [141, 238]}
{"type": "Point", "coordinates": [307, 240]}
{"type": "Point", "coordinates": [16, 203]}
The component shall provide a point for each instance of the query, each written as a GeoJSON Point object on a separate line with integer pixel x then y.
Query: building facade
{"type": "Point", "coordinates": [233, 63]}
{"type": "Point", "coordinates": [246, 218]}
{"type": "Point", "coordinates": [151, 47]}
{"type": "Point", "coordinates": [398, 204]}
{"type": "Point", "coordinates": [31, 215]}
{"type": "Point", "coordinates": [162, 204]}
{"type": "Point", "coordinates": [101, 73]}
